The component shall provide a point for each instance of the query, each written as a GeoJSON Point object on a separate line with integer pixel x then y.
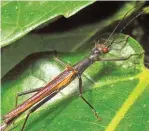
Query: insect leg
{"type": "Point", "coordinates": [80, 91]}
{"type": "Point", "coordinates": [25, 93]}
{"type": "Point", "coordinates": [60, 61]}
{"type": "Point", "coordinates": [126, 40]}
{"type": "Point", "coordinates": [33, 109]}
{"type": "Point", "coordinates": [57, 59]}
{"type": "Point", "coordinates": [116, 59]}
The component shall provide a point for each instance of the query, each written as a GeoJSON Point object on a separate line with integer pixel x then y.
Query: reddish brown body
{"type": "Point", "coordinates": [53, 87]}
{"type": "Point", "coordinates": [58, 83]}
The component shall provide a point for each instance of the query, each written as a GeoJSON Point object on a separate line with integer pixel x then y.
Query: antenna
{"type": "Point", "coordinates": [127, 25]}
{"type": "Point", "coordinates": [122, 21]}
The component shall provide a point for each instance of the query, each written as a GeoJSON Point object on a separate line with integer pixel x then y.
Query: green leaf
{"type": "Point", "coordinates": [117, 90]}
{"type": "Point", "coordinates": [20, 17]}
{"type": "Point", "coordinates": [73, 39]}
{"type": "Point", "coordinates": [146, 10]}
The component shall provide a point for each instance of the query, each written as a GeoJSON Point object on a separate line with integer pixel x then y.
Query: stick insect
{"type": "Point", "coordinates": [44, 94]}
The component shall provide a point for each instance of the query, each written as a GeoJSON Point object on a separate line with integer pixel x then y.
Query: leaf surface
{"type": "Point", "coordinates": [20, 17]}
{"type": "Point", "coordinates": [117, 90]}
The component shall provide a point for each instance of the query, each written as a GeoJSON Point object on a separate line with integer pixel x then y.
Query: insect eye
{"type": "Point", "coordinates": [105, 50]}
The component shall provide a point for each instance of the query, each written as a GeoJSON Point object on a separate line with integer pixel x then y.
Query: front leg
{"type": "Point", "coordinates": [116, 59]}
